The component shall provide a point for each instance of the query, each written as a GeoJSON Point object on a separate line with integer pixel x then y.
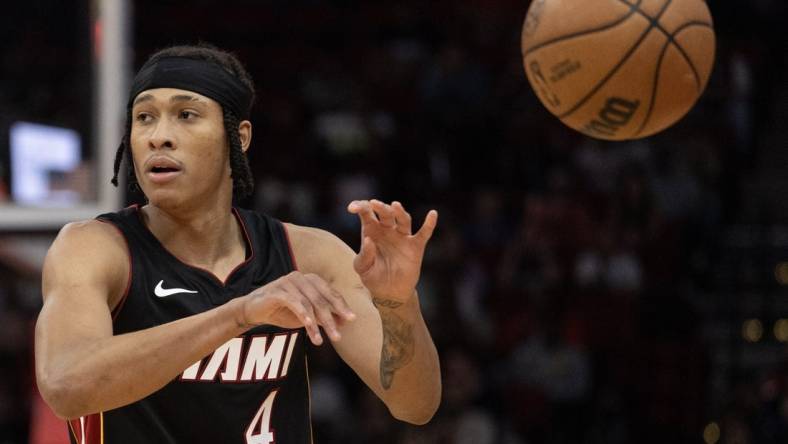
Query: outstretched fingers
{"type": "Point", "coordinates": [402, 217]}
{"type": "Point", "coordinates": [363, 209]}
{"type": "Point", "coordinates": [384, 212]}
{"type": "Point", "coordinates": [297, 303]}
{"type": "Point", "coordinates": [299, 299]}
{"type": "Point", "coordinates": [375, 214]}
{"type": "Point", "coordinates": [335, 299]}
{"type": "Point", "coordinates": [329, 307]}
{"type": "Point", "coordinates": [321, 307]}
{"type": "Point", "coordinates": [430, 222]}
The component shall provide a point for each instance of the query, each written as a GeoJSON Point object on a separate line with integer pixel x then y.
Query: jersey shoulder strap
{"type": "Point", "coordinates": [269, 236]}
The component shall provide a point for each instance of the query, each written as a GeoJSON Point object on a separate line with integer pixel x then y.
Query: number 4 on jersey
{"type": "Point", "coordinates": [259, 431]}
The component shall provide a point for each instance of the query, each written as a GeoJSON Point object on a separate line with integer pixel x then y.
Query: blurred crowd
{"type": "Point", "coordinates": [559, 285]}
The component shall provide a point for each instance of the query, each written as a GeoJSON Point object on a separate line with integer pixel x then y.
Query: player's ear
{"type": "Point", "coordinates": [245, 134]}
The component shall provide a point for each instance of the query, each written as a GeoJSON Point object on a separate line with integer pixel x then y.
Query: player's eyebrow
{"type": "Point", "coordinates": [142, 98]}
{"type": "Point", "coordinates": [173, 99]}
{"type": "Point", "coordinates": [184, 98]}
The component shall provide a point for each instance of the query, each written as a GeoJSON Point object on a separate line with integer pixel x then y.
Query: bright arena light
{"type": "Point", "coordinates": [781, 330]}
{"type": "Point", "coordinates": [711, 434]}
{"type": "Point", "coordinates": [752, 330]}
{"type": "Point", "coordinates": [781, 273]}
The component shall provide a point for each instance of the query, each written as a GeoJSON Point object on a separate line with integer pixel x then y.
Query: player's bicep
{"type": "Point", "coordinates": [81, 273]}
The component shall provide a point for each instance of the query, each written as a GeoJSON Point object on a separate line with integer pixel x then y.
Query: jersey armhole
{"type": "Point", "coordinates": [116, 311]}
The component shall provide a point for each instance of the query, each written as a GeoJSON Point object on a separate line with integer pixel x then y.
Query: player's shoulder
{"type": "Point", "coordinates": [87, 253]}
{"type": "Point", "coordinates": [90, 238]}
{"type": "Point", "coordinates": [316, 249]}
{"type": "Point", "coordinates": [91, 229]}
{"type": "Point", "coordinates": [304, 232]}
{"type": "Point", "coordinates": [312, 236]}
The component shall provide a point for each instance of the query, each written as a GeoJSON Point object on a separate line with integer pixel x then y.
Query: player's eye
{"type": "Point", "coordinates": [144, 117]}
{"type": "Point", "coordinates": [187, 115]}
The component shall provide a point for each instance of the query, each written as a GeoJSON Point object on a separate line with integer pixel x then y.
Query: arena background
{"type": "Point", "coordinates": [578, 291]}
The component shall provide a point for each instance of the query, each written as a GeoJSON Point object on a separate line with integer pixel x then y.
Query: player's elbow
{"type": "Point", "coordinates": [61, 395]}
{"type": "Point", "coordinates": [415, 417]}
{"type": "Point", "coordinates": [418, 413]}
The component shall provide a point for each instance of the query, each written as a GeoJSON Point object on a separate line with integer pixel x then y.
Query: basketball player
{"type": "Point", "coordinates": [185, 320]}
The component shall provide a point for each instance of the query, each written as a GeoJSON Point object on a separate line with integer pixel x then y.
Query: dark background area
{"type": "Point", "coordinates": [578, 291]}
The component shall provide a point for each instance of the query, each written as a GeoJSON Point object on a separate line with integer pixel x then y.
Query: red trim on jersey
{"type": "Point", "coordinates": [87, 429]}
{"type": "Point", "coordinates": [290, 247]}
{"type": "Point", "coordinates": [73, 430]}
{"type": "Point", "coordinates": [206, 271]}
{"type": "Point", "coordinates": [93, 432]}
{"type": "Point", "coordinates": [248, 242]}
{"type": "Point", "coordinates": [119, 307]}
{"type": "Point", "coordinates": [309, 397]}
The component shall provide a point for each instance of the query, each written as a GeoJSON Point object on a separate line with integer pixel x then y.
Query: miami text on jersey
{"type": "Point", "coordinates": [265, 358]}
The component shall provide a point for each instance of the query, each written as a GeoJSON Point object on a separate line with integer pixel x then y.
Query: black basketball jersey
{"type": "Point", "coordinates": [251, 390]}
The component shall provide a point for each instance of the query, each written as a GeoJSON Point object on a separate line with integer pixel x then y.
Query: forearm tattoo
{"type": "Point", "coordinates": [398, 344]}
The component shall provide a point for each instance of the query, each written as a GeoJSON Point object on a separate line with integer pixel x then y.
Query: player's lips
{"type": "Point", "coordinates": [162, 169]}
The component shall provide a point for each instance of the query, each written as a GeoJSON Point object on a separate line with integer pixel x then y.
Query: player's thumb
{"type": "Point", "coordinates": [365, 258]}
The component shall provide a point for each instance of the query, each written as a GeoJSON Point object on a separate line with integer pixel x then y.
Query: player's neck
{"type": "Point", "coordinates": [210, 238]}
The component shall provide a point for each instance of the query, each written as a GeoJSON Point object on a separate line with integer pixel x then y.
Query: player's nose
{"type": "Point", "coordinates": [162, 136]}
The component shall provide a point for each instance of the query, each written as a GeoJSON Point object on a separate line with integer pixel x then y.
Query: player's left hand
{"type": "Point", "coordinates": [389, 261]}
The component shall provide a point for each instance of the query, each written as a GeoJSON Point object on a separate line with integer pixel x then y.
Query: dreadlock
{"type": "Point", "coordinates": [243, 182]}
{"type": "Point", "coordinates": [125, 142]}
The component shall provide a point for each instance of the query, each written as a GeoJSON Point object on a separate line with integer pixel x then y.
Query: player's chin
{"type": "Point", "coordinates": [165, 196]}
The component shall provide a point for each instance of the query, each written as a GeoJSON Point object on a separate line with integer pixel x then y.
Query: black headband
{"type": "Point", "coordinates": [200, 76]}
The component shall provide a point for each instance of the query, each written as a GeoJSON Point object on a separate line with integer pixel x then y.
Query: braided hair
{"type": "Point", "coordinates": [243, 182]}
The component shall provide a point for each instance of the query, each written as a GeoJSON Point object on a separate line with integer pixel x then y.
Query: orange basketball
{"type": "Point", "coordinates": [618, 69]}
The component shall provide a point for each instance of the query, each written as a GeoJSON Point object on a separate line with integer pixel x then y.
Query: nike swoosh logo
{"type": "Point", "coordinates": [164, 292]}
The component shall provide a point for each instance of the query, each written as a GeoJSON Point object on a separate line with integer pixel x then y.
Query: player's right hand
{"type": "Point", "coordinates": [296, 300]}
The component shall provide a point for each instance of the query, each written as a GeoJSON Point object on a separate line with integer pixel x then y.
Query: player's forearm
{"type": "Point", "coordinates": [118, 370]}
{"type": "Point", "coordinates": [409, 367]}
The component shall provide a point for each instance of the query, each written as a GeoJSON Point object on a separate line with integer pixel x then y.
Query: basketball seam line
{"type": "Point", "coordinates": [670, 38]}
{"type": "Point", "coordinates": [681, 48]}
{"type": "Point", "coordinates": [655, 84]}
{"type": "Point", "coordinates": [615, 69]}
{"type": "Point", "coordinates": [658, 25]}
{"type": "Point", "coordinates": [632, 9]}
